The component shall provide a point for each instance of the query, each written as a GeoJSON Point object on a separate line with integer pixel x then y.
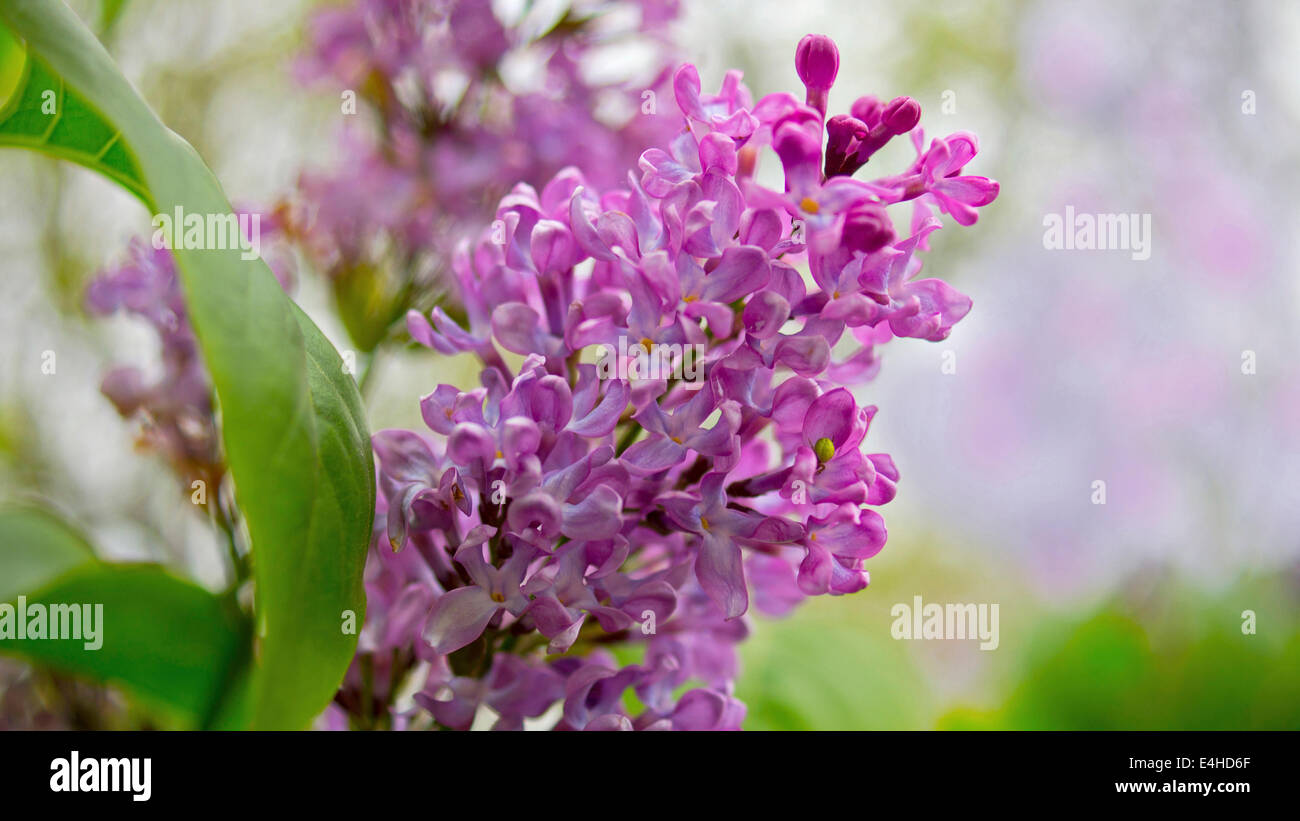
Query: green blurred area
{"type": "Point", "coordinates": [1160, 654]}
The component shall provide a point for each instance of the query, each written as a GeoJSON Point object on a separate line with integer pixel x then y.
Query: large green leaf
{"type": "Point", "coordinates": [171, 644]}
{"type": "Point", "coordinates": [292, 421]}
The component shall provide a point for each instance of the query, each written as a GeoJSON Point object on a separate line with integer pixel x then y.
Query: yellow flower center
{"type": "Point", "coordinates": [809, 205]}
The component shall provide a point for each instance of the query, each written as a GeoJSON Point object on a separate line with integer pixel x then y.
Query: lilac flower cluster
{"type": "Point", "coordinates": [457, 126]}
{"type": "Point", "coordinates": [566, 506]}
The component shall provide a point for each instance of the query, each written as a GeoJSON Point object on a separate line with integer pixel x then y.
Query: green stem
{"type": "Point", "coordinates": [367, 374]}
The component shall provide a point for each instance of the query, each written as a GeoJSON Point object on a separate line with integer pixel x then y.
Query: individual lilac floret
{"type": "Point", "coordinates": [590, 496]}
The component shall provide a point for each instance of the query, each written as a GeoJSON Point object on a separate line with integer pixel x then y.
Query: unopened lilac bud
{"type": "Point", "coordinates": [868, 228]}
{"type": "Point", "coordinates": [843, 129]}
{"type": "Point", "coordinates": [867, 109]}
{"type": "Point", "coordinates": [901, 115]}
{"type": "Point", "coordinates": [818, 61]}
{"type": "Point", "coordinates": [842, 136]}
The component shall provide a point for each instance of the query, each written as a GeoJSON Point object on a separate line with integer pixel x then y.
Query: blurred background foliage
{"type": "Point", "coordinates": [1123, 621]}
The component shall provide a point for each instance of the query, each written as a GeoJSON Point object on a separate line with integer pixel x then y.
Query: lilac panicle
{"type": "Point", "coordinates": [584, 496]}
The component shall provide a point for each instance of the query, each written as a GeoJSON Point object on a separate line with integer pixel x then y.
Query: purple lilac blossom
{"type": "Point", "coordinates": [563, 507]}
{"type": "Point", "coordinates": [456, 127]}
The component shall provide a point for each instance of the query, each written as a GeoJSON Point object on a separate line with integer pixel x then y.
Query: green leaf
{"type": "Point", "coordinates": [36, 548]}
{"type": "Point", "coordinates": [292, 421]}
{"type": "Point", "coordinates": [45, 115]}
{"type": "Point", "coordinates": [171, 644]}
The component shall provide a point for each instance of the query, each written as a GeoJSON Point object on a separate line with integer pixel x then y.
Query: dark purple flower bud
{"type": "Point", "coordinates": [867, 228]}
{"type": "Point", "coordinates": [842, 129]}
{"type": "Point", "coordinates": [901, 115]}
{"type": "Point", "coordinates": [843, 134]}
{"type": "Point", "coordinates": [818, 61]}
